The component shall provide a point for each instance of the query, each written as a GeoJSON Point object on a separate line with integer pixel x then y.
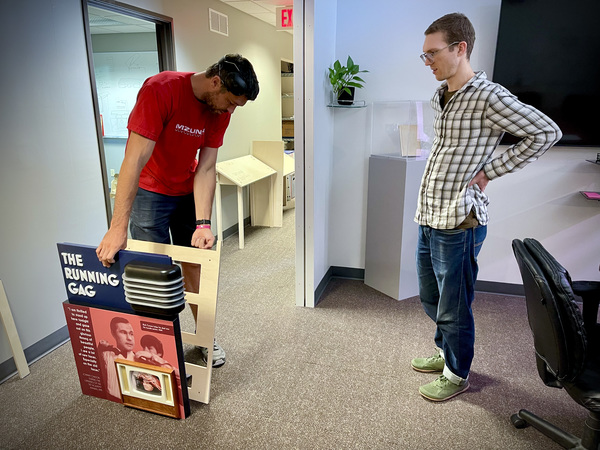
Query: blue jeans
{"type": "Point", "coordinates": [158, 217]}
{"type": "Point", "coordinates": [447, 271]}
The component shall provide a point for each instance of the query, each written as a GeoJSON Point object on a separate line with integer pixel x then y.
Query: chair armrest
{"type": "Point", "coordinates": [586, 288]}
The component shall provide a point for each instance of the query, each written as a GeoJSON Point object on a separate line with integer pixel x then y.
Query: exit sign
{"type": "Point", "coordinates": [284, 16]}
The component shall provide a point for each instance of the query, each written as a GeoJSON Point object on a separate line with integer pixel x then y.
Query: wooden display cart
{"type": "Point", "coordinates": [204, 303]}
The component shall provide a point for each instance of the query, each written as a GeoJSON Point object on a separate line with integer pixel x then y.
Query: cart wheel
{"type": "Point", "coordinates": [518, 422]}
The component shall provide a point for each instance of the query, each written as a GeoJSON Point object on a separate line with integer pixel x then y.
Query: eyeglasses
{"type": "Point", "coordinates": [428, 56]}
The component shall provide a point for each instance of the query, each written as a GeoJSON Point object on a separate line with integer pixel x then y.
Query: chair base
{"type": "Point", "coordinates": [591, 432]}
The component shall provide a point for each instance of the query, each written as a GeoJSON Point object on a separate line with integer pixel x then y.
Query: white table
{"type": "Point", "coordinates": [240, 172]}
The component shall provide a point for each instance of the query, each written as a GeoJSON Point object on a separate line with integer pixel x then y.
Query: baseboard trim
{"type": "Point", "coordinates": [234, 228]}
{"type": "Point", "coordinates": [490, 287]}
{"type": "Point", "coordinates": [494, 287]}
{"type": "Point", "coordinates": [337, 272]}
{"type": "Point", "coordinates": [36, 351]}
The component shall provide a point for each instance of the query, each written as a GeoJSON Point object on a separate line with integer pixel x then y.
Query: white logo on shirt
{"type": "Point", "coordinates": [189, 131]}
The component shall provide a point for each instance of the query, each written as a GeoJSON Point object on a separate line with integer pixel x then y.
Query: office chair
{"type": "Point", "coordinates": [567, 350]}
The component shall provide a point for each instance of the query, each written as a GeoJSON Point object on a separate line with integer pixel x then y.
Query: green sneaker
{"type": "Point", "coordinates": [442, 389]}
{"type": "Point", "coordinates": [434, 363]}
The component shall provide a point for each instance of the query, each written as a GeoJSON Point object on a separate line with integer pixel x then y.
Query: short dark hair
{"type": "Point", "coordinates": [114, 322]}
{"type": "Point", "coordinates": [152, 341]}
{"type": "Point", "coordinates": [456, 27]}
{"type": "Point", "coordinates": [236, 74]}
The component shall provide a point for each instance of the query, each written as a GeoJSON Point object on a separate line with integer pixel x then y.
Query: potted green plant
{"type": "Point", "coordinates": [344, 79]}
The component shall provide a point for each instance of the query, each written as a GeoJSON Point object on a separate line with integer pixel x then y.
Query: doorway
{"type": "Point", "coordinates": [125, 46]}
{"type": "Point", "coordinates": [304, 281]}
{"type": "Point", "coordinates": [287, 133]}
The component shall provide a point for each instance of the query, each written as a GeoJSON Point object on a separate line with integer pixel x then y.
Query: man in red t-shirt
{"type": "Point", "coordinates": [166, 187]}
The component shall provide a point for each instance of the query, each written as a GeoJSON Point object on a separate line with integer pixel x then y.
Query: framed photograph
{"type": "Point", "coordinates": [148, 387]}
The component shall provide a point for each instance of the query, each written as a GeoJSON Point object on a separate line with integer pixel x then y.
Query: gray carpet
{"type": "Point", "coordinates": [334, 377]}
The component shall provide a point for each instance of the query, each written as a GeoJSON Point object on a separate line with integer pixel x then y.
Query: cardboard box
{"type": "Point", "coordinates": [287, 128]}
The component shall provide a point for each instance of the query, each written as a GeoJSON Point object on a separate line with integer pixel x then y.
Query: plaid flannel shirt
{"type": "Point", "coordinates": [467, 131]}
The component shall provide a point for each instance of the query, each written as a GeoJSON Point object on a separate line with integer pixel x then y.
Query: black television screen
{"type": "Point", "coordinates": [548, 55]}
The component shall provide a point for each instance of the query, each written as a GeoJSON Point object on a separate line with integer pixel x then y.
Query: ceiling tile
{"type": "Point", "coordinates": [266, 17]}
{"type": "Point", "coordinates": [260, 9]}
{"type": "Point", "coordinates": [268, 6]}
{"type": "Point", "coordinates": [249, 7]}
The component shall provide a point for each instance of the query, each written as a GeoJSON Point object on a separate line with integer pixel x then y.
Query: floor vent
{"type": "Point", "coordinates": [219, 22]}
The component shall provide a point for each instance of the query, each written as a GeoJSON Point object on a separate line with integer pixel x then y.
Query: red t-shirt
{"type": "Point", "coordinates": [167, 112]}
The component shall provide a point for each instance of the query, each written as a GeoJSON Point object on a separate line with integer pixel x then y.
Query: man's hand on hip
{"type": "Point", "coordinates": [481, 180]}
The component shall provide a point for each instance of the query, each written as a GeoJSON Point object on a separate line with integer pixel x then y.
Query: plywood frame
{"type": "Point", "coordinates": [266, 197]}
{"type": "Point", "coordinates": [13, 336]}
{"type": "Point", "coordinates": [205, 301]}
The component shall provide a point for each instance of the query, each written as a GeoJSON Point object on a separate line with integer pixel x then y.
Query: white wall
{"type": "Point", "coordinates": [50, 174]}
{"type": "Point", "coordinates": [319, 144]}
{"type": "Point", "coordinates": [543, 201]}
{"type": "Point", "coordinates": [388, 45]}
{"type": "Point", "coordinates": [196, 48]}
{"type": "Point", "coordinates": [386, 37]}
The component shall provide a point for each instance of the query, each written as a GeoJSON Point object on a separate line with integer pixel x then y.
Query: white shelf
{"type": "Point", "coordinates": [356, 104]}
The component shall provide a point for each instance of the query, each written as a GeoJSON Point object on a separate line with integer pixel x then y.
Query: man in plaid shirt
{"type": "Point", "coordinates": [472, 114]}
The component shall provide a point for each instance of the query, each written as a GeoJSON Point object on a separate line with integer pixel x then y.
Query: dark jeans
{"type": "Point", "coordinates": [158, 217]}
{"type": "Point", "coordinates": [447, 271]}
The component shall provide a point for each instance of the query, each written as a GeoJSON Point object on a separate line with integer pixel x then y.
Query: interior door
{"type": "Point", "coordinates": [125, 45]}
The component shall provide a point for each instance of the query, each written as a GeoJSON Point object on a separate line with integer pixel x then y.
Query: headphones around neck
{"type": "Point", "coordinates": [232, 81]}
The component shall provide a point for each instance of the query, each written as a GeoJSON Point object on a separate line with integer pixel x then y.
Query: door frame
{"type": "Point", "coordinates": [166, 61]}
{"type": "Point", "coordinates": [303, 125]}
{"type": "Point", "coordinates": [303, 149]}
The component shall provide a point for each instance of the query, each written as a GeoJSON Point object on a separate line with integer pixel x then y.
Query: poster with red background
{"type": "Point", "coordinates": [96, 346]}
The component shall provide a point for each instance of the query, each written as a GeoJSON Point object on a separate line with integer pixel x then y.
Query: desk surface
{"type": "Point", "coordinates": [289, 164]}
{"type": "Point", "coordinates": [243, 171]}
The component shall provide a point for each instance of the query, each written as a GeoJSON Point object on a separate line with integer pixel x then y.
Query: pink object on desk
{"type": "Point", "coordinates": [591, 195]}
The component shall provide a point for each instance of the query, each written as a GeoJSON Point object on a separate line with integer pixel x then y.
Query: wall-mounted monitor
{"type": "Point", "coordinates": [547, 55]}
